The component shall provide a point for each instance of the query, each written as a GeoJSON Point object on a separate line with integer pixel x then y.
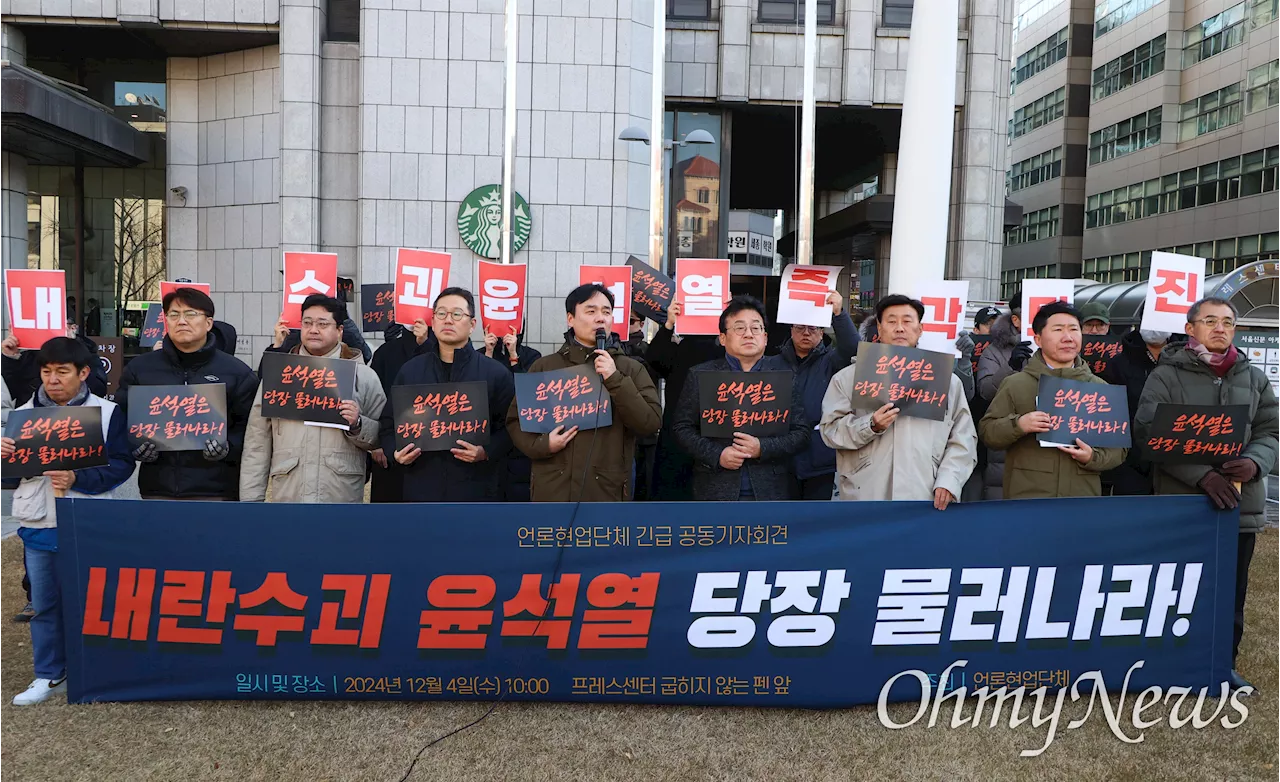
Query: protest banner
{"type": "Point", "coordinates": [1197, 434]}
{"type": "Point", "coordinates": [618, 280]}
{"type": "Point", "coordinates": [111, 356]}
{"type": "Point", "coordinates": [54, 438]}
{"type": "Point", "coordinates": [563, 397]}
{"type": "Point", "coordinates": [420, 276]}
{"type": "Point", "coordinates": [435, 416]}
{"type": "Point", "coordinates": [37, 305]}
{"type": "Point", "coordinates": [1036, 294]}
{"type": "Point", "coordinates": [1093, 412]}
{"type": "Point", "coordinates": [702, 290]}
{"type": "Point", "coordinates": [1173, 285]}
{"type": "Point", "coordinates": [917, 382]}
{"type": "Point", "coordinates": [944, 304]}
{"type": "Point", "coordinates": [153, 326]}
{"type": "Point", "coordinates": [377, 307]}
{"type": "Point", "coordinates": [306, 388]}
{"type": "Point", "coordinates": [660, 603]}
{"type": "Point", "coordinates": [305, 274]}
{"type": "Point", "coordinates": [1098, 350]}
{"type": "Point", "coordinates": [980, 342]}
{"type": "Point", "coordinates": [502, 297]}
{"type": "Point", "coordinates": [755, 403]}
{"type": "Point", "coordinates": [651, 290]}
{"type": "Point", "coordinates": [178, 418]}
{"type": "Point", "coordinates": [802, 296]}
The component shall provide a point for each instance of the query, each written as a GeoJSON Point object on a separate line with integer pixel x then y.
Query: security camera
{"type": "Point", "coordinates": [179, 193]}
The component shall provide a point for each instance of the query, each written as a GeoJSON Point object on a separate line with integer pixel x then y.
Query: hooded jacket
{"type": "Point", "coordinates": [187, 474]}
{"type": "Point", "coordinates": [1181, 378]}
{"type": "Point", "coordinates": [813, 376]}
{"type": "Point", "coordinates": [1030, 470]}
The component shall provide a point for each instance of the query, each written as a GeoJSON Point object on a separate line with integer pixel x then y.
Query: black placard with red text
{"type": "Point", "coordinates": [1096, 413]}
{"type": "Point", "coordinates": [1099, 350]}
{"type": "Point", "coordinates": [563, 397]}
{"type": "Point", "coordinates": [435, 416]}
{"type": "Point", "coordinates": [1196, 434]}
{"type": "Point", "coordinates": [917, 382]}
{"type": "Point", "coordinates": [178, 418]}
{"type": "Point", "coordinates": [755, 403]}
{"type": "Point", "coordinates": [306, 388]}
{"type": "Point", "coordinates": [54, 438]}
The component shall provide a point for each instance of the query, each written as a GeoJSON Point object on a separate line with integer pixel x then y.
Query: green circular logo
{"type": "Point", "coordinates": [480, 221]}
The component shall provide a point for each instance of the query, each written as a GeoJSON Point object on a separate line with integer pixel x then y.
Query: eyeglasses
{"type": "Point", "coordinates": [741, 330]}
{"type": "Point", "coordinates": [190, 316]}
{"type": "Point", "coordinates": [453, 315]}
{"type": "Point", "coordinates": [308, 323]}
{"type": "Point", "coordinates": [807, 329]}
{"type": "Point", "coordinates": [1227, 323]}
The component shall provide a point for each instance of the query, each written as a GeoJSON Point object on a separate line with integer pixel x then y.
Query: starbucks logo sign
{"type": "Point", "coordinates": [480, 221]}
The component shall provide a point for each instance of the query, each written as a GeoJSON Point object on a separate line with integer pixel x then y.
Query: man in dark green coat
{"type": "Point", "coordinates": [1210, 371]}
{"type": "Point", "coordinates": [1012, 421]}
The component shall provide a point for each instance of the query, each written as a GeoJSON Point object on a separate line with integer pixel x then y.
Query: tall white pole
{"type": "Point", "coordinates": [804, 245]}
{"type": "Point", "coordinates": [922, 199]}
{"type": "Point", "coordinates": [657, 134]}
{"type": "Point", "coordinates": [512, 51]}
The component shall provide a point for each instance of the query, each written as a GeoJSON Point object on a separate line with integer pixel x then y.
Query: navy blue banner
{"type": "Point", "coordinates": [774, 604]}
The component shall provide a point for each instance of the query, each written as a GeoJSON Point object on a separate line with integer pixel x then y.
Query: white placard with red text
{"type": "Point", "coordinates": [305, 274]}
{"type": "Point", "coordinates": [702, 291]}
{"type": "Point", "coordinates": [802, 299]}
{"type": "Point", "coordinates": [37, 305]}
{"type": "Point", "coordinates": [618, 280]}
{"type": "Point", "coordinates": [1037, 293]}
{"type": "Point", "coordinates": [501, 288]}
{"type": "Point", "coordinates": [1176, 282]}
{"type": "Point", "coordinates": [944, 303]}
{"type": "Point", "coordinates": [420, 276]}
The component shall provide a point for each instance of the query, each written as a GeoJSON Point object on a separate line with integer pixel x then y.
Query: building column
{"type": "Point", "coordinates": [301, 25]}
{"type": "Point", "coordinates": [13, 176]}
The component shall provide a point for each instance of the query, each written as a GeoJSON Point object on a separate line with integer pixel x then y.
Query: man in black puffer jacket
{"type": "Point", "coordinates": [190, 356]}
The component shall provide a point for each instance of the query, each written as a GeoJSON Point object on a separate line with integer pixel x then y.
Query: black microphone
{"type": "Point", "coordinates": [602, 336]}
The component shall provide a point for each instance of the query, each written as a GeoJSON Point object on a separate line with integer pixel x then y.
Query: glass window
{"type": "Point", "coordinates": [1110, 14]}
{"type": "Point", "coordinates": [1129, 69]}
{"type": "Point", "coordinates": [1213, 36]}
{"type": "Point", "coordinates": [897, 13]}
{"type": "Point", "coordinates": [1037, 225]}
{"type": "Point", "coordinates": [792, 11]}
{"type": "Point", "coordinates": [1125, 137]}
{"type": "Point", "coordinates": [1210, 112]}
{"type": "Point", "coordinates": [1260, 87]}
{"type": "Point", "coordinates": [689, 9]}
{"type": "Point", "coordinates": [695, 187]}
{"type": "Point", "coordinates": [1043, 55]}
{"type": "Point", "coordinates": [1038, 113]}
{"type": "Point", "coordinates": [1262, 12]}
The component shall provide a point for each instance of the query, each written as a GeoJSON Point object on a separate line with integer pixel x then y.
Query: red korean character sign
{"type": "Point", "coordinates": [305, 274]}
{"type": "Point", "coordinates": [944, 304]}
{"type": "Point", "coordinates": [618, 280]}
{"type": "Point", "coordinates": [1176, 282]}
{"type": "Point", "coordinates": [702, 291]}
{"type": "Point", "coordinates": [167, 287]}
{"type": "Point", "coordinates": [1036, 294]}
{"type": "Point", "coordinates": [502, 288]}
{"type": "Point", "coordinates": [420, 276]}
{"type": "Point", "coordinates": [37, 305]}
{"type": "Point", "coordinates": [803, 296]}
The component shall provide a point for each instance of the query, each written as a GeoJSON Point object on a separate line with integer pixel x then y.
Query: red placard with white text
{"type": "Point", "coordinates": [802, 298]}
{"type": "Point", "coordinates": [37, 305]}
{"type": "Point", "coordinates": [1176, 282]}
{"type": "Point", "coordinates": [305, 274]}
{"type": "Point", "coordinates": [501, 287]}
{"type": "Point", "coordinates": [618, 280]}
{"type": "Point", "coordinates": [702, 291]}
{"type": "Point", "coordinates": [944, 303]}
{"type": "Point", "coordinates": [420, 276]}
{"type": "Point", "coordinates": [1037, 293]}
{"type": "Point", "coordinates": [167, 287]}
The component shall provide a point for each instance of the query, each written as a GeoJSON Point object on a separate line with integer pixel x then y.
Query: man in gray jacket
{"type": "Point", "coordinates": [1210, 371]}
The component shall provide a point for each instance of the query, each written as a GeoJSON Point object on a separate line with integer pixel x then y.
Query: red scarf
{"type": "Point", "coordinates": [1220, 363]}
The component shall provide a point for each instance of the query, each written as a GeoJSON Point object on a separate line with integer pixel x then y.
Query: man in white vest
{"type": "Point", "coordinates": [64, 367]}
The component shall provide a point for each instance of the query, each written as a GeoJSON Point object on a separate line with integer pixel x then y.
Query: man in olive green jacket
{"type": "Point", "coordinates": [1012, 422]}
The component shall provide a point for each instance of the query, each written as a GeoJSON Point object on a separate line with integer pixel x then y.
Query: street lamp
{"type": "Point", "coordinates": [637, 133]}
{"type": "Point", "coordinates": [657, 205]}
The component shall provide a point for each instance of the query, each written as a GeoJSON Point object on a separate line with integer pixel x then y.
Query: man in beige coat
{"type": "Point", "coordinates": [880, 456]}
{"type": "Point", "coordinates": [315, 463]}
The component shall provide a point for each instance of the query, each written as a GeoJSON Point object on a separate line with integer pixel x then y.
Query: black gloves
{"type": "Point", "coordinates": [215, 451]}
{"type": "Point", "coordinates": [146, 452]}
{"type": "Point", "coordinates": [1220, 490]}
{"type": "Point", "coordinates": [1018, 358]}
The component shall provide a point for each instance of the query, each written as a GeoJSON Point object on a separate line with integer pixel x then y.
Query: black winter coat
{"type": "Point", "coordinates": [22, 374]}
{"type": "Point", "coordinates": [813, 375]}
{"type": "Point", "coordinates": [673, 467]}
{"type": "Point", "coordinates": [387, 484]}
{"type": "Point", "coordinates": [1130, 369]}
{"type": "Point", "coordinates": [514, 476]}
{"type": "Point", "coordinates": [181, 474]}
{"type": "Point", "coordinates": [437, 476]}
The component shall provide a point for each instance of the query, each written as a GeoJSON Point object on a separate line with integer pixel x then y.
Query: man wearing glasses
{"type": "Point", "coordinates": [1210, 371]}
{"type": "Point", "coordinates": [467, 472]}
{"type": "Point", "coordinates": [746, 467]}
{"type": "Point", "coordinates": [189, 355]}
{"type": "Point", "coordinates": [315, 464]}
{"type": "Point", "coordinates": [815, 364]}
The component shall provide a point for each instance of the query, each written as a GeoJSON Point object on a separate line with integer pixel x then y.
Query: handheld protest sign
{"type": "Point", "coordinates": [420, 276]}
{"type": "Point", "coordinates": [305, 274]}
{"type": "Point", "coordinates": [944, 304]}
{"type": "Point", "coordinates": [501, 300]}
{"type": "Point", "coordinates": [702, 290]}
{"type": "Point", "coordinates": [803, 295]}
{"type": "Point", "coordinates": [37, 305]}
{"type": "Point", "coordinates": [306, 388]}
{"type": "Point", "coordinates": [917, 382]}
{"type": "Point", "coordinates": [618, 280]}
{"type": "Point", "coordinates": [1036, 294]}
{"type": "Point", "coordinates": [111, 356]}
{"type": "Point", "coordinates": [377, 307]}
{"type": "Point", "coordinates": [435, 416]}
{"type": "Point", "coordinates": [153, 326]}
{"type": "Point", "coordinates": [54, 438]}
{"type": "Point", "coordinates": [178, 418]}
{"type": "Point", "coordinates": [980, 343]}
{"type": "Point", "coordinates": [1173, 285]}
{"type": "Point", "coordinates": [651, 290]}
{"type": "Point", "coordinates": [1196, 434]}
{"type": "Point", "coordinates": [1098, 350]}
{"type": "Point", "coordinates": [1093, 412]}
{"type": "Point", "coordinates": [755, 403]}
{"type": "Point", "coordinates": [564, 397]}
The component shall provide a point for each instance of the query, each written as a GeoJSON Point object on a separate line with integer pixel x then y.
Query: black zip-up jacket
{"type": "Point", "coordinates": [182, 474]}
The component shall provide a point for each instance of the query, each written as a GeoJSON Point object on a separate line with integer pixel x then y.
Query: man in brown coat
{"type": "Point", "coordinates": [593, 465]}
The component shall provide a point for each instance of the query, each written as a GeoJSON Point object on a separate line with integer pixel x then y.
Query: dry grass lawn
{"type": "Point", "coordinates": [375, 741]}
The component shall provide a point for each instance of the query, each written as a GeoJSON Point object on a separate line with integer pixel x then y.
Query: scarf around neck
{"type": "Point", "coordinates": [1220, 363]}
{"type": "Point", "coordinates": [43, 400]}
